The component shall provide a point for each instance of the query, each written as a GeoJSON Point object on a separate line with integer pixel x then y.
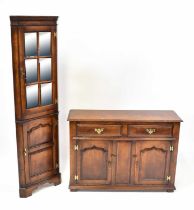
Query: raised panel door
{"type": "Point", "coordinates": [94, 162]}
{"type": "Point", "coordinates": [40, 148]}
{"type": "Point", "coordinates": [152, 162]}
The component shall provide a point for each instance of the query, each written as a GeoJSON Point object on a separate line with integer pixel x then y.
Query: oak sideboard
{"type": "Point", "coordinates": [123, 150]}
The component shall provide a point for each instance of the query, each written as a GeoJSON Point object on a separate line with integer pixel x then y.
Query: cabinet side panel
{"type": "Point", "coordinates": [56, 142]}
{"type": "Point", "coordinates": [16, 75]}
{"type": "Point", "coordinates": [73, 165]}
{"type": "Point", "coordinates": [123, 163]}
{"type": "Point", "coordinates": [174, 153]}
{"type": "Point", "coordinates": [20, 154]}
{"type": "Point", "coordinates": [54, 56]}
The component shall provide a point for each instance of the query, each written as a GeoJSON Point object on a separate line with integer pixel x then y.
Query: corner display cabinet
{"type": "Point", "coordinates": [34, 54]}
{"type": "Point", "coordinates": [123, 150]}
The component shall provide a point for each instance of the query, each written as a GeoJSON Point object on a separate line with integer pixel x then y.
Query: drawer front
{"type": "Point", "coordinates": [98, 130]}
{"type": "Point", "coordinates": [150, 130]}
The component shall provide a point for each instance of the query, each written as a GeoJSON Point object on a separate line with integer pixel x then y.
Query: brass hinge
{"type": "Point", "coordinates": [76, 147]}
{"type": "Point", "coordinates": [57, 165]}
{"type": "Point", "coordinates": [168, 178]}
{"type": "Point", "coordinates": [76, 177]}
{"type": "Point", "coordinates": [171, 148]}
{"type": "Point", "coordinates": [55, 34]}
{"type": "Point", "coordinates": [25, 152]}
{"type": "Point", "coordinates": [56, 101]}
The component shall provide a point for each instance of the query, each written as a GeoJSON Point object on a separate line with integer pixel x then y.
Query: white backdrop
{"type": "Point", "coordinates": [112, 54]}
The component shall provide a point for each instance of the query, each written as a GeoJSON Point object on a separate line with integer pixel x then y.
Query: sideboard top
{"type": "Point", "coordinates": [124, 115]}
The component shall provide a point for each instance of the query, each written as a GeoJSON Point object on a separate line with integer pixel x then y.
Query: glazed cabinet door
{"type": "Point", "coordinates": [94, 162]}
{"type": "Point", "coordinates": [38, 72]}
{"type": "Point", "coordinates": [152, 162]}
{"type": "Point", "coordinates": [40, 148]}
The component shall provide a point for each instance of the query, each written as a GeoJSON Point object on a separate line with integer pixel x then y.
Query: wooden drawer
{"type": "Point", "coordinates": [98, 130]}
{"type": "Point", "coordinates": [150, 130]}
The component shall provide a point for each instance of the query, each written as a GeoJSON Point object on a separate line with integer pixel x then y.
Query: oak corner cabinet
{"type": "Point", "coordinates": [123, 150]}
{"type": "Point", "coordinates": [34, 56]}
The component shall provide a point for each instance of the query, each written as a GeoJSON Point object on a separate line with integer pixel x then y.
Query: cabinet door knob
{"type": "Point", "coordinates": [150, 130]}
{"type": "Point", "coordinates": [109, 163]}
{"type": "Point", "coordinates": [113, 155]}
{"type": "Point", "coordinates": [99, 130]}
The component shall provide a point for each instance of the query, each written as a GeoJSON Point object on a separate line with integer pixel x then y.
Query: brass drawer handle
{"type": "Point", "coordinates": [99, 130]}
{"type": "Point", "coordinates": [150, 130]}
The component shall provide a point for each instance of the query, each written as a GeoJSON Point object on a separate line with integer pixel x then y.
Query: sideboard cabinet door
{"type": "Point", "coordinates": [94, 162]}
{"type": "Point", "coordinates": [152, 162]}
{"type": "Point", "coordinates": [40, 149]}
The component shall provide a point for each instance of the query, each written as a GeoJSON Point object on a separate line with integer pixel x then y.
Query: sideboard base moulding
{"type": "Point", "coordinates": [148, 188]}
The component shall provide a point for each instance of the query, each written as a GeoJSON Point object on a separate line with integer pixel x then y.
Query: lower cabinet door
{"type": "Point", "coordinates": [40, 148]}
{"type": "Point", "coordinates": [152, 162]}
{"type": "Point", "coordinates": [94, 162]}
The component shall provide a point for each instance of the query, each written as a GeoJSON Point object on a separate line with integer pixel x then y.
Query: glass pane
{"type": "Point", "coordinates": [44, 43]}
{"type": "Point", "coordinates": [31, 96]}
{"type": "Point", "coordinates": [45, 68]}
{"type": "Point", "coordinates": [31, 70]}
{"type": "Point", "coordinates": [46, 94]}
{"type": "Point", "coordinates": [30, 44]}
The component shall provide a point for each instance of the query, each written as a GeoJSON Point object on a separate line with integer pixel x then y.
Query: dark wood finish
{"type": "Point", "coordinates": [122, 159]}
{"type": "Point", "coordinates": [123, 155]}
{"type": "Point", "coordinates": [33, 20]}
{"type": "Point", "coordinates": [36, 128]}
{"type": "Point", "coordinates": [161, 130]}
{"type": "Point", "coordinates": [153, 162]}
{"type": "Point", "coordinates": [124, 115]}
{"type": "Point", "coordinates": [89, 130]}
{"type": "Point", "coordinates": [19, 68]}
{"type": "Point", "coordinates": [94, 162]}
